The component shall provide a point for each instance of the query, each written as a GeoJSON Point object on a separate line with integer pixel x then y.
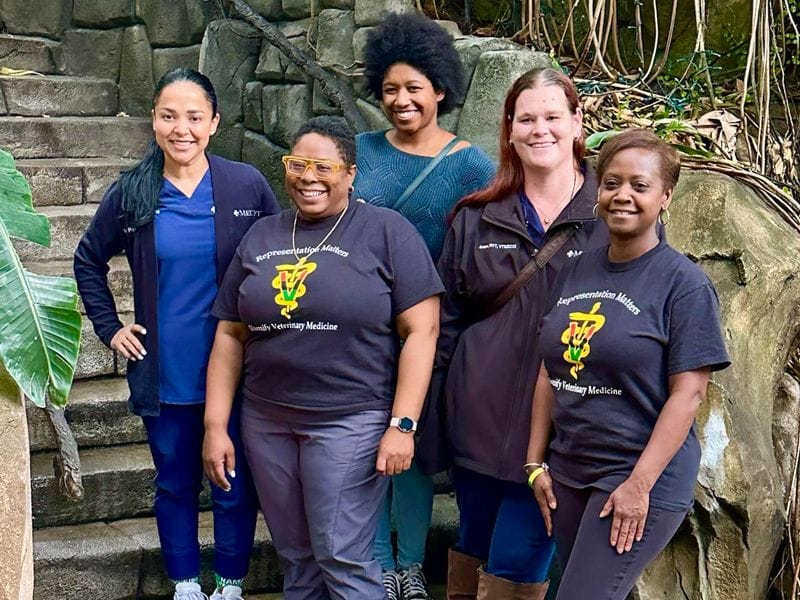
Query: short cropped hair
{"type": "Point", "coordinates": [644, 139]}
{"type": "Point", "coordinates": [337, 129]}
{"type": "Point", "coordinates": [419, 42]}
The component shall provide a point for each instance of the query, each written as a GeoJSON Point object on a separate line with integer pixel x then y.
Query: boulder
{"type": "Point", "coordinates": [298, 9]}
{"type": "Point", "coordinates": [101, 15]}
{"type": "Point", "coordinates": [228, 56]}
{"type": "Point", "coordinates": [166, 59]}
{"type": "Point", "coordinates": [173, 23]}
{"type": "Point", "coordinates": [374, 115]}
{"type": "Point", "coordinates": [48, 18]}
{"type": "Point", "coordinates": [227, 141]}
{"type": "Point", "coordinates": [728, 546]}
{"type": "Point", "coordinates": [340, 4]}
{"type": "Point", "coordinates": [269, 9]}
{"type": "Point", "coordinates": [470, 48]}
{"type": "Point", "coordinates": [253, 118]}
{"type": "Point", "coordinates": [136, 72]}
{"type": "Point", "coordinates": [494, 74]}
{"type": "Point", "coordinates": [265, 156]}
{"type": "Point", "coordinates": [360, 43]}
{"type": "Point", "coordinates": [16, 556]}
{"type": "Point", "coordinates": [335, 37]}
{"type": "Point", "coordinates": [286, 108]}
{"type": "Point", "coordinates": [270, 65]}
{"type": "Point", "coordinates": [450, 27]}
{"type": "Point", "coordinates": [370, 12]}
{"type": "Point", "coordinates": [93, 52]}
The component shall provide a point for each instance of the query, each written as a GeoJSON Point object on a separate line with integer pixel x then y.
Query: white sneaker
{"type": "Point", "coordinates": [229, 592]}
{"type": "Point", "coordinates": [189, 591]}
{"type": "Point", "coordinates": [413, 584]}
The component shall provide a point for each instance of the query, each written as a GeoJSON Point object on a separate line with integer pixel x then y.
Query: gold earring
{"type": "Point", "coordinates": [663, 216]}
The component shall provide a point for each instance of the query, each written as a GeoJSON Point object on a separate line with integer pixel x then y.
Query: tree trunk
{"type": "Point", "coordinates": [16, 550]}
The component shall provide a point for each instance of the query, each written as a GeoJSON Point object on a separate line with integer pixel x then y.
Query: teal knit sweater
{"type": "Point", "coordinates": [384, 172]}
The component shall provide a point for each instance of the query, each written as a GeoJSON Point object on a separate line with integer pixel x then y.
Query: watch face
{"type": "Point", "coordinates": [406, 424]}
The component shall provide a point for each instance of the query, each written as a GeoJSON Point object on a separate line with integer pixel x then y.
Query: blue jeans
{"type": "Point", "coordinates": [410, 502]}
{"type": "Point", "coordinates": [501, 524]}
{"type": "Point", "coordinates": [176, 442]}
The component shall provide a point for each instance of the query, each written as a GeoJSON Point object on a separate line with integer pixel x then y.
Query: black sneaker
{"type": "Point", "coordinates": [391, 581]}
{"type": "Point", "coordinates": [413, 584]}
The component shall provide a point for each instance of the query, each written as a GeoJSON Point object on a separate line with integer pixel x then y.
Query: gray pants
{"type": "Point", "coordinates": [591, 566]}
{"type": "Point", "coordinates": [321, 495]}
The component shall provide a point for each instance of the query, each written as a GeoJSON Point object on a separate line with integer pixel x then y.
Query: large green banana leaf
{"type": "Point", "coordinates": [40, 327]}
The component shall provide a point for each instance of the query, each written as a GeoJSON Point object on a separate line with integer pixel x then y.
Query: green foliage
{"type": "Point", "coordinates": [40, 327]}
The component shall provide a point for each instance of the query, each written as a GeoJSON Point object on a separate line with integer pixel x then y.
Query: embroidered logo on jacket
{"type": "Point", "coordinates": [576, 336]}
{"type": "Point", "coordinates": [246, 212]}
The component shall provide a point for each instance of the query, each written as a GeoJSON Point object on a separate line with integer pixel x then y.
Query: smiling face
{"type": "Point", "coordinates": [183, 122]}
{"type": "Point", "coordinates": [408, 98]}
{"type": "Point", "coordinates": [543, 128]}
{"type": "Point", "coordinates": [631, 195]}
{"type": "Point", "coordinates": [317, 198]}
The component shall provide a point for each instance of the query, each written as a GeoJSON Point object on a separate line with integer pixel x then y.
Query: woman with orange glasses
{"type": "Point", "coordinates": [315, 305]}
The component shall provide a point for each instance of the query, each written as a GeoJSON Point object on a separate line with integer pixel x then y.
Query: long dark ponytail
{"type": "Point", "coordinates": [140, 186]}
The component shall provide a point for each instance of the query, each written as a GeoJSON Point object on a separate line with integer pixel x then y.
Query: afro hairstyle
{"type": "Point", "coordinates": [415, 40]}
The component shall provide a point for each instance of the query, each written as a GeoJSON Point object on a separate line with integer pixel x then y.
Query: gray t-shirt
{"type": "Point", "coordinates": [323, 337]}
{"type": "Point", "coordinates": [615, 334]}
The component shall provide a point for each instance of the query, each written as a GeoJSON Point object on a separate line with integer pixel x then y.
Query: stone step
{"type": "Point", "coordinates": [95, 358]}
{"type": "Point", "coordinates": [119, 279]}
{"type": "Point", "coordinates": [75, 137]}
{"type": "Point", "coordinates": [121, 560]}
{"type": "Point", "coordinates": [117, 481]}
{"type": "Point", "coordinates": [66, 181]}
{"type": "Point", "coordinates": [437, 592]}
{"type": "Point", "coordinates": [67, 224]}
{"type": "Point", "coordinates": [58, 96]}
{"type": "Point", "coordinates": [31, 53]}
{"type": "Point", "coordinates": [97, 413]}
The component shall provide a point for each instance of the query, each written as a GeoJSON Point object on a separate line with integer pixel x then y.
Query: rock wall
{"type": "Point", "coordinates": [130, 42]}
{"type": "Point", "coordinates": [265, 98]}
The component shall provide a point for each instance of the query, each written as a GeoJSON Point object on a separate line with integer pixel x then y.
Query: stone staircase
{"type": "Point", "coordinates": [68, 140]}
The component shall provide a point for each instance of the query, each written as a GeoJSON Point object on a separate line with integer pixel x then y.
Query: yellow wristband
{"type": "Point", "coordinates": [534, 474]}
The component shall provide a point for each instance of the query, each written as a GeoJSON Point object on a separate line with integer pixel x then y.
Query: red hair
{"type": "Point", "coordinates": [510, 175]}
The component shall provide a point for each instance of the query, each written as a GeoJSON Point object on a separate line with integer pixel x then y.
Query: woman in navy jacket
{"type": "Point", "coordinates": [178, 215]}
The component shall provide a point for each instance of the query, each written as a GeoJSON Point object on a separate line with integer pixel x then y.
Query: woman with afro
{"type": "Point", "coordinates": [412, 68]}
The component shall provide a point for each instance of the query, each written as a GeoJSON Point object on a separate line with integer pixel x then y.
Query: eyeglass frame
{"type": "Point", "coordinates": [311, 163]}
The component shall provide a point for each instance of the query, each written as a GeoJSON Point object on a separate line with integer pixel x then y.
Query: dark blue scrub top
{"type": "Point", "coordinates": [187, 287]}
{"type": "Point", "coordinates": [532, 222]}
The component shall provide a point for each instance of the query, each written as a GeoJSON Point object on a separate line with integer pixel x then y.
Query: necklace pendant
{"type": "Point", "coordinates": [546, 221]}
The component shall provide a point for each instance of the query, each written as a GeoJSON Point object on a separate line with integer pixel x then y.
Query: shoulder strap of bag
{"type": "Point", "coordinates": [424, 173]}
{"type": "Point", "coordinates": [527, 272]}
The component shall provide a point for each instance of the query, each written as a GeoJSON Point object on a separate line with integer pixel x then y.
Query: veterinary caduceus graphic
{"type": "Point", "coordinates": [290, 283]}
{"type": "Point", "coordinates": [582, 326]}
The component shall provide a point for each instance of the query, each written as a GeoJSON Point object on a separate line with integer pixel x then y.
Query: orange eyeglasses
{"type": "Point", "coordinates": [296, 166]}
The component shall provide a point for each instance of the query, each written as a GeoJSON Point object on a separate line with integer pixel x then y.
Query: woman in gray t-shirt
{"type": "Point", "coordinates": [628, 345]}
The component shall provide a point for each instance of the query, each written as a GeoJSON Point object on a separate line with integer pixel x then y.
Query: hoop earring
{"type": "Point", "coordinates": [663, 216]}
{"type": "Point", "coordinates": [351, 189]}
{"type": "Point", "coordinates": [594, 210]}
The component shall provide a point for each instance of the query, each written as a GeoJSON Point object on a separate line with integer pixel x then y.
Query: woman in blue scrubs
{"type": "Point", "coordinates": [178, 215]}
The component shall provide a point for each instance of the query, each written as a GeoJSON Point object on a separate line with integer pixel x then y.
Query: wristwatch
{"type": "Point", "coordinates": [404, 424]}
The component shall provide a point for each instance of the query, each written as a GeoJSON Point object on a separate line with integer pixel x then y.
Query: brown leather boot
{"type": "Point", "coordinates": [491, 587]}
{"type": "Point", "coordinates": [462, 576]}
